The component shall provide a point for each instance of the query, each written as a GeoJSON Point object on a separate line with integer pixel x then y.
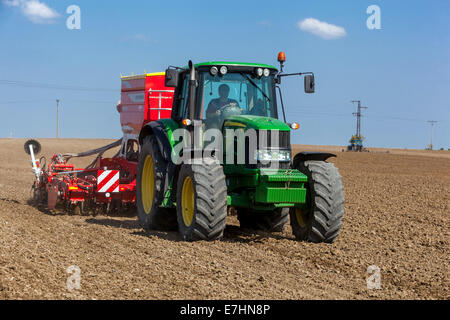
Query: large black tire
{"type": "Point", "coordinates": [205, 201]}
{"type": "Point", "coordinates": [272, 221]}
{"type": "Point", "coordinates": [322, 219]}
{"type": "Point", "coordinates": [151, 216]}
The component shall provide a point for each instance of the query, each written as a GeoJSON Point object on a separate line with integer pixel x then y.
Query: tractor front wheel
{"type": "Point", "coordinates": [201, 201]}
{"type": "Point", "coordinates": [321, 219]}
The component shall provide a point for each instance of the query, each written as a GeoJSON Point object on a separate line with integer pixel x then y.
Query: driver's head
{"type": "Point", "coordinates": [224, 91]}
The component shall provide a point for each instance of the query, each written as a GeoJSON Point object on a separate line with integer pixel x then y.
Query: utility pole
{"type": "Point", "coordinates": [358, 117]}
{"type": "Point", "coordinates": [432, 122]}
{"type": "Point", "coordinates": [57, 118]}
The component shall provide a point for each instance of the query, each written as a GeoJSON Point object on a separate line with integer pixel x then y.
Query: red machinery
{"type": "Point", "coordinates": [144, 98]}
{"type": "Point", "coordinates": [107, 183]}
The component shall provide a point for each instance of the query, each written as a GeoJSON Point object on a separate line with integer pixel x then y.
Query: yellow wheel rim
{"type": "Point", "coordinates": [148, 184]}
{"type": "Point", "coordinates": [187, 201]}
{"type": "Point", "coordinates": [300, 214]}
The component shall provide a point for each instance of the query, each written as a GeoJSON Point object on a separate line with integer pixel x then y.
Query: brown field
{"type": "Point", "coordinates": [396, 217]}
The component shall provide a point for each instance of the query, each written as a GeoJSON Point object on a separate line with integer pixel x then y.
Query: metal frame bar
{"type": "Point", "coordinates": [160, 97]}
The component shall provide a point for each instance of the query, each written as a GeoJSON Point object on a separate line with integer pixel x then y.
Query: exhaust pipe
{"type": "Point", "coordinates": [192, 87]}
{"type": "Point", "coordinates": [195, 128]}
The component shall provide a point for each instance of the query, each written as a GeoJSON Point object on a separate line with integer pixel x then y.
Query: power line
{"type": "Point", "coordinates": [25, 101]}
{"type": "Point", "coordinates": [394, 118]}
{"type": "Point", "coordinates": [50, 100]}
{"type": "Point", "coordinates": [52, 86]}
{"type": "Point", "coordinates": [328, 114]}
{"type": "Point", "coordinates": [298, 111]}
{"type": "Point", "coordinates": [311, 111]}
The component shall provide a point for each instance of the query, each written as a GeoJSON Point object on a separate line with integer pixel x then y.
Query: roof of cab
{"type": "Point", "coordinates": [227, 63]}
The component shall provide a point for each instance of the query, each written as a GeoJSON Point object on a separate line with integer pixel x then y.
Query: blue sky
{"type": "Point", "coordinates": [401, 72]}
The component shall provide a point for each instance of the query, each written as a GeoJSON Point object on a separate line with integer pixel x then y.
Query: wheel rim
{"type": "Point", "coordinates": [147, 184]}
{"type": "Point", "coordinates": [300, 214]}
{"type": "Point", "coordinates": [187, 201]}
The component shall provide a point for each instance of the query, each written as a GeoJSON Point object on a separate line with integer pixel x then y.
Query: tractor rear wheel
{"type": "Point", "coordinates": [273, 221]}
{"type": "Point", "coordinates": [201, 201]}
{"type": "Point", "coordinates": [150, 180]}
{"type": "Point", "coordinates": [321, 220]}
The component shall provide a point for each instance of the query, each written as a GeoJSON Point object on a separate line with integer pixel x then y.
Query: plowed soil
{"type": "Point", "coordinates": [396, 217]}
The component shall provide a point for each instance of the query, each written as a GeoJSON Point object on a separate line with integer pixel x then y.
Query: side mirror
{"type": "Point", "coordinates": [310, 85]}
{"type": "Point", "coordinates": [171, 79]}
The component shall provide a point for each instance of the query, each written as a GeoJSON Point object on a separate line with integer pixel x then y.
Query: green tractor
{"type": "Point", "coordinates": [225, 150]}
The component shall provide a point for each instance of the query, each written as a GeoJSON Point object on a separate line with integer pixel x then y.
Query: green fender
{"type": "Point", "coordinates": [162, 130]}
{"type": "Point", "coordinates": [310, 156]}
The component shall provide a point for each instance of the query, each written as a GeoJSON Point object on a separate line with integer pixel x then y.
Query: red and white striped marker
{"type": "Point", "coordinates": [108, 181]}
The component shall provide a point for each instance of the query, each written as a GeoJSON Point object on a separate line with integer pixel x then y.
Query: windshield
{"type": "Point", "coordinates": [234, 94]}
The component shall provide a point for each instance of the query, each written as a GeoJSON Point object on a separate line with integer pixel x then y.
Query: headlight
{"type": "Point", "coordinates": [294, 126]}
{"type": "Point", "coordinates": [259, 72]}
{"type": "Point", "coordinates": [273, 155]}
{"type": "Point", "coordinates": [223, 70]}
{"type": "Point", "coordinates": [214, 71]}
{"type": "Point", "coordinates": [266, 72]}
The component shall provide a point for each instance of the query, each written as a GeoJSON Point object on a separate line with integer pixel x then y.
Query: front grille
{"type": "Point", "coordinates": [268, 139]}
{"type": "Point", "coordinates": [277, 165]}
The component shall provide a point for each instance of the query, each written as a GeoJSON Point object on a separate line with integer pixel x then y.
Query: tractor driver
{"type": "Point", "coordinates": [216, 104]}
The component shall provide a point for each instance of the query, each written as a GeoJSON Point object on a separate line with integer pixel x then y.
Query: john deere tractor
{"type": "Point", "coordinates": [225, 149]}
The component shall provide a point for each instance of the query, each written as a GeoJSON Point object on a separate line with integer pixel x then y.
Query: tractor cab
{"type": "Point", "coordinates": [214, 92]}
{"type": "Point", "coordinates": [226, 89]}
{"type": "Point", "coordinates": [235, 96]}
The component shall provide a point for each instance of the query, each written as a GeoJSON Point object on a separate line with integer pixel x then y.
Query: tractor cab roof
{"type": "Point", "coordinates": [232, 65]}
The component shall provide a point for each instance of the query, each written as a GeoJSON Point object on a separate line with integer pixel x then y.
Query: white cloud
{"type": "Point", "coordinates": [322, 29]}
{"type": "Point", "coordinates": [34, 10]}
{"type": "Point", "coordinates": [11, 3]}
{"type": "Point", "coordinates": [139, 38]}
{"type": "Point", "coordinates": [266, 23]}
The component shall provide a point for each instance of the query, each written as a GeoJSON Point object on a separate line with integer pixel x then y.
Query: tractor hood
{"type": "Point", "coordinates": [255, 122]}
